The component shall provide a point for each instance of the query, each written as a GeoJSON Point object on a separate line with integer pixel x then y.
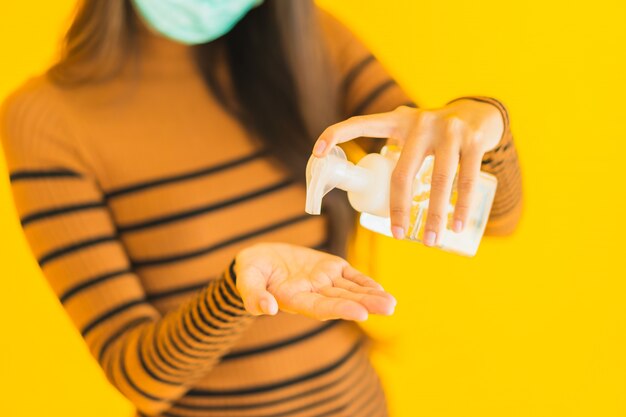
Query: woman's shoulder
{"type": "Point", "coordinates": [344, 45]}
{"type": "Point", "coordinates": [333, 29]}
{"type": "Point", "coordinates": [32, 118]}
{"type": "Point", "coordinates": [35, 99]}
{"type": "Point", "coordinates": [39, 88]}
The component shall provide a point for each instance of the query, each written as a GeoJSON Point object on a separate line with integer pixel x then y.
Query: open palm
{"type": "Point", "coordinates": [295, 279]}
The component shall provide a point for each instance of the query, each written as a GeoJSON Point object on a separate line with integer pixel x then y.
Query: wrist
{"type": "Point", "coordinates": [495, 119]}
{"type": "Point", "coordinates": [230, 283]}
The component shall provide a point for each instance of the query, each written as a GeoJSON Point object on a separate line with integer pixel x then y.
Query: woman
{"type": "Point", "coordinates": [157, 169]}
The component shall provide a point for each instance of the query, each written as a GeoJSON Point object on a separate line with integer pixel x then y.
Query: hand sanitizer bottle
{"type": "Point", "coordinates": [368, 182]}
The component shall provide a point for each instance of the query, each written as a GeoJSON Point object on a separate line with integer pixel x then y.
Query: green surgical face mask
{"type": "Point", "coordinates": [193, 21]}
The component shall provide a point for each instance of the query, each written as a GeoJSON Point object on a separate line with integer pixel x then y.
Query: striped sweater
{"type": "Point", "coordinates": [135, 195]}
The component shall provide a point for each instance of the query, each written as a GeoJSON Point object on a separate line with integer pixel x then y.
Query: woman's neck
{"type": "Point", "coordinates": [161, 55]}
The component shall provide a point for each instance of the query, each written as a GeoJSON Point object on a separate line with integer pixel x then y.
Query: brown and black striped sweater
{"type": "Point", "coordinates": [135, 195]}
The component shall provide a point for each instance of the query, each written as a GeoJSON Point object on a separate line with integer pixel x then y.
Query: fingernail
{"type": "Point", "coordinates": [429, 238]}
{"type": "Point", "coordinates": [273, 308]}
{"type": "Point", "coordinates": [458, 226]}
{"type": "Point", "coordinates": [397, 232]}
{"type": "Point", "coordinates": [392, 307]}
{"type": "Point", "coordinates": [319, 148]}
{"type": "Point", "coordinates": [263, 305]}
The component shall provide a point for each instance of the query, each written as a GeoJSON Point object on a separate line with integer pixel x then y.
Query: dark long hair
{"type": "Point", "coordinates": [279, 81]}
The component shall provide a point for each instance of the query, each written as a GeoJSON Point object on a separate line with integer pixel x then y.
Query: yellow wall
{"type": "Point", "coordinates": [535, 325]}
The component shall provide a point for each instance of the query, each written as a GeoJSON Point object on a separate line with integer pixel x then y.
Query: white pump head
{"type": "Point", "coordinates": [332, 171]}
{"type": "Point", "coordinates": [321, 177]}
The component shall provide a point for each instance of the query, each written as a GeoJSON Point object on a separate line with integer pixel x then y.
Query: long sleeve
{"type": "Point", "coordinates": [153, 359]}
{"type": "Point", "coordinates": [367, 87]}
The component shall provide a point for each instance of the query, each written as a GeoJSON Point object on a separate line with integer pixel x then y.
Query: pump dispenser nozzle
{"type": "Point", "coordinates": [365, 183]}
{"type": "Point", "coordinates": [322, 175]}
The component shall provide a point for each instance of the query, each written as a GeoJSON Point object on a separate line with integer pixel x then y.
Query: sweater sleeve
{"type": "Point", "coordinates": [366, 87]}
{"type": "Point", "coordinates": [152, 359]}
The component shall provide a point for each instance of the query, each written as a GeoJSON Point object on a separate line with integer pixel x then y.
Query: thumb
{"type": "Point", "coordinates": [252, 286]}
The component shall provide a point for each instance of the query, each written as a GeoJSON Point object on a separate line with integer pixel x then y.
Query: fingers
{"type": "Point", "coordinates": [381, 125]}
{"type": "Point", "coordinates": [403, 176]}
{"type": "Point", "coordinates": [354, 287]}
{"type": "Point", "coordinates": [466, 182]}
{"type": "Point", "coordinates": [446, 161]}
{"type": "Point", "coordinates": [376, 303]}
{"type": "Point", "coordinates": [321, 307]}
{"type": "Point", "coordinates": [354, 275]}
{"type": "Point", "coordinates": [252, 286]}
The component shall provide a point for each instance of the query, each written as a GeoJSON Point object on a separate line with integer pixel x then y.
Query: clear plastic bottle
{"type": "Point", "coordinates": [368, 182]}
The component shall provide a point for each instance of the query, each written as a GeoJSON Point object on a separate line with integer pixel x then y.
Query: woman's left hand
{"type": "Point", "coordinates": [461, 131]}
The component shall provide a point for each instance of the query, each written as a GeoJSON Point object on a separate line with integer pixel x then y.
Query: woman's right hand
{"type": "Point", "coordinates": [296, 279]}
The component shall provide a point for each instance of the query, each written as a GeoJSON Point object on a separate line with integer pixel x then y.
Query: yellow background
{"type": "Point", "coordinates": [535, 325]}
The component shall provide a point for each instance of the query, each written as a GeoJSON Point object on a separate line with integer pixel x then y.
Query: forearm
{"type": "Point", "coordinates": [156, 362]}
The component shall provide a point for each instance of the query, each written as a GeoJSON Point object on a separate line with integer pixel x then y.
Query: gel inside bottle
{"type": "Point", "coordinates": [367, 184]}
